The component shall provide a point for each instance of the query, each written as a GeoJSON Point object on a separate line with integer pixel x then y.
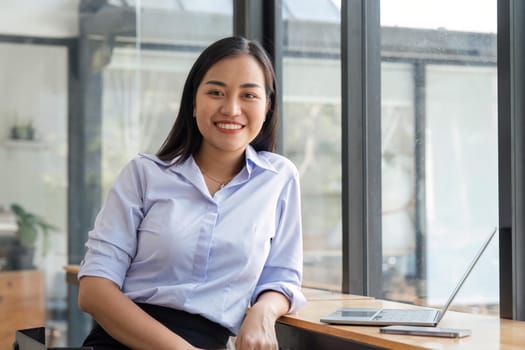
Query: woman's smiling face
{"type": "Point", "coordinates": [231, 104]}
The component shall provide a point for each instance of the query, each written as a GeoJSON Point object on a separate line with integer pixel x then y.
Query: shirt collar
{"type": "Point", "coordinates": [189, 168]}
{"type": "Point", "coordinates": [254, 158]}
{"type": "Point", "coordinates": [156, 159]}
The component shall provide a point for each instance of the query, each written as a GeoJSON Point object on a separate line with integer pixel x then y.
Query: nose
{"type": "Point", "coordinates": [231, 107]}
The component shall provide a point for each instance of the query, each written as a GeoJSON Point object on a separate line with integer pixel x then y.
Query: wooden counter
{"type": "Point", "coordinates": [22, 303]}
{"type": "Point", "coordinates": [304, 330]}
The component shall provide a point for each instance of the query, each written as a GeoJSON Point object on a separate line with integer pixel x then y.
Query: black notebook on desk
{"type": "Point", "coordinates": [387, 317]}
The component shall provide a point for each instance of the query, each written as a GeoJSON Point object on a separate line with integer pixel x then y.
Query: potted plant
{"type": "Point", "coordinates": [30, 226]}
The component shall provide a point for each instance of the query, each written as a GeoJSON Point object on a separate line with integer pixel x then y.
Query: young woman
{"type": "Point", "coordinates": [203, 240]}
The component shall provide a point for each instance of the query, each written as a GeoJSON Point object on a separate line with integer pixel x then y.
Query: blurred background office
{"type": "Point", "coordinates": [86, 84]}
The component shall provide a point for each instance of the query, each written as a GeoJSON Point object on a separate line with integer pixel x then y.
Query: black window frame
{"type": "Point", "coordinates": [361, 162]}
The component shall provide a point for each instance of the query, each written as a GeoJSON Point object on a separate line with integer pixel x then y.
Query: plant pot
{"type": "Point", "coordinates": [21, 258]}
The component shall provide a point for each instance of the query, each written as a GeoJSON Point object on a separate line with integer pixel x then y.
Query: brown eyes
{"type": "Point", "coordinates": [218, 93]}
{"type": "Point", "coordinates": [214, 93]}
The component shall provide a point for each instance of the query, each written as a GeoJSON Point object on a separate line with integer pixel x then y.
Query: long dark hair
{"type": "Point", "coordinates": [184, 138]}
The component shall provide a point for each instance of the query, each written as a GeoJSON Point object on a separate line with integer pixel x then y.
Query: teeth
{"type": "Point", "coordinates": [229, 126]}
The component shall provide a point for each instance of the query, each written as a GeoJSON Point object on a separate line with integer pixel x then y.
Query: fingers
{"type": "Point", "coordinates": [254, 345]}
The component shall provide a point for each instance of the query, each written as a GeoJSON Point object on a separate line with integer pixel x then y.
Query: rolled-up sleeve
{"type": "Point", "coordinates": [282, 271]}
{"type": "Point", "coordinates": [112, 242]}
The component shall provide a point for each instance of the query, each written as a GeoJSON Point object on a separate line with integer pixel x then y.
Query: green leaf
{"type": "Point", "coordinates": [29, 227]}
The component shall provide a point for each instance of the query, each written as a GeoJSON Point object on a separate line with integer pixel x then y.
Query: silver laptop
{"type": "Point", "coordinates": [385, 317]}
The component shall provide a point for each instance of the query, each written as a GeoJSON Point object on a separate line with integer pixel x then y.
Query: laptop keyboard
{"type": "Point", "coordinates": [406, 315]}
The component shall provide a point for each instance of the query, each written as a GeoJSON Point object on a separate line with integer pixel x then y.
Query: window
{"type": "Point", "coordinates": [34, 67]}
{"type": "Point", "coordinates": [84, 99]}
{"type": "Point", "coordinates": [312, 131]}
{"type": "Point", "coordinates": [439, 151]}
{"type": "Point", "coordinates": [144, 76]}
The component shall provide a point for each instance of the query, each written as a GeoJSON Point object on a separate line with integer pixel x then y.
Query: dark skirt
{"type": "Point", "coordinates": [195, 329]}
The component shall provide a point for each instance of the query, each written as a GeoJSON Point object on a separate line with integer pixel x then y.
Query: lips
{"type": "Point", "coordinates": [229, 126]}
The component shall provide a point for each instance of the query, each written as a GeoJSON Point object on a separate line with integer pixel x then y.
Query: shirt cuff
{"type": "Point", "coordinates": [291, 292]}
{"type": "Point", "coordinates": [98, 266]}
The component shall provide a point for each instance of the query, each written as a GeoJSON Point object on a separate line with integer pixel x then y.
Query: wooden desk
{"type": "Point", "coordinates": [71, 273]}
{"type": "Point", "coordinates": [305, 331]}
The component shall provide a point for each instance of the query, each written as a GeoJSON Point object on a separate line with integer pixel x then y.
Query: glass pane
{"type": "Point", "coordinates": [439, 151]}
{"type": "Point", "coordinates": [312, 131]}
{"type": "Point", "coordinates": [143, 80]}
{"type": "Point", "coordinates": [134, 84]}
{"type": "Point", "coordinates": [33, 186]}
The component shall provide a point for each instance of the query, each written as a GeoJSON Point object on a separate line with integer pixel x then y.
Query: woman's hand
{"type": "Point", "coordinates": [258, 328]}
{"type": "Point", "coordinates": [257, 332]}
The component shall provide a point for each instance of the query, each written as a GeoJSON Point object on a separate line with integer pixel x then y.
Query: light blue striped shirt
{"type": "Point", "coordinates": [166, 241]}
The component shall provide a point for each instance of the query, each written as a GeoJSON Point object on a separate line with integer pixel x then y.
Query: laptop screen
{"type": "Point", "coordinates": [467, 272]}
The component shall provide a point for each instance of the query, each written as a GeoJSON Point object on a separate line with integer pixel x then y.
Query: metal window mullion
{"type": "Point", "coordinates": [273, 42]}
{"type": "Point", "coordinates": [361, 147]}
{"type": "Point", "coordinates": [84, 169]}
{"type": "Point", "coordinates": [247, 19]}
{"type": "Point", "coordinates": [420, 174]}
{"type": "Point", "coordinates": [511, 157]}
{"type": "Point", "coordinates": [261, 20]}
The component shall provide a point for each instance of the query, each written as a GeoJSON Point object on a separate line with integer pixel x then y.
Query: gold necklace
{"type": "Point", "coordinates": [220, 183]}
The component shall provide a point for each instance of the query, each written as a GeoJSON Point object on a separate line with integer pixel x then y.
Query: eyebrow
{"type": "Point", "coordinates": [245, 85]}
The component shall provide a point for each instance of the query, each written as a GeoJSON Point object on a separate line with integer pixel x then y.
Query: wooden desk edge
{"type": "Point", "coordinates": [72, 268]}
{"type": "Point", "coordinates": [71, 273]}
{"type": "Point", "coordinates": [486, 329]}
{"type": "Point", "coordinates": [347, 334]}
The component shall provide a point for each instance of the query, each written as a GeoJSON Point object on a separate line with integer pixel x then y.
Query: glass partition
{"type": "Point", "coordinates": [143, 79]}
{"type": "Point", "coordinates": [33, 185]}
{"type": "Point", "coordinates": [109, 72]}
{"type": "Point", "coordinates": [312, 131]}
{"type": "Point", "coordinates": [439, 151]}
